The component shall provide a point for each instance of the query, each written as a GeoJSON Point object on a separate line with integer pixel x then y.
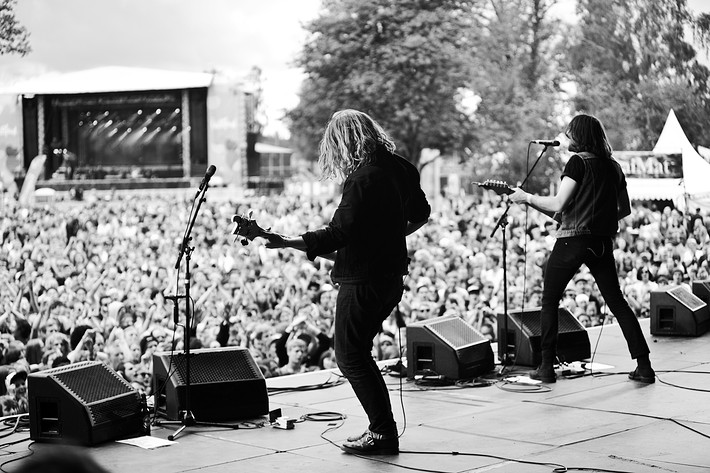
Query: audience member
{"type": "Point", "coordinates": [98, 291]}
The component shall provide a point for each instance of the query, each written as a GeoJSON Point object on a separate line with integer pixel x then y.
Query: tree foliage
{"type": "Point", "coordinates": [14, 38]}
{"type": "Point", "coordinates": [479, 79]}
{"type": "Point", "coordinates": [631, 62]}
{"type": "Point", "coordinates": [519, 86]}
{"type": "Point", "coordinates": [405, 63]}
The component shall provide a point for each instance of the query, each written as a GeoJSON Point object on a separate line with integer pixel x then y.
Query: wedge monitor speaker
{"type": "Point", "coordinates": [447, 346]}
{"type": "Point", "coordinates": [225, 384]}
{"type": "Point", "coordinates": [83, 403]}
{"type": "Point", "coordinates": [676, 311]}
{"type": "Point", "coordinates": [524, 333]}
{"type": "Point", "coordinates": [702, 290]}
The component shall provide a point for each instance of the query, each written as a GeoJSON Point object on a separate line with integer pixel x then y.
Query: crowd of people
{"type": "Point", "coordinates": [91, 279]}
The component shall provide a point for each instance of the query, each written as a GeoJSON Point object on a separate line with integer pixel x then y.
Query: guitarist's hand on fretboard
{"type": "Point", "coordinates": [248, 229]}
{"type": "Point", "coordinates": [519, 196]}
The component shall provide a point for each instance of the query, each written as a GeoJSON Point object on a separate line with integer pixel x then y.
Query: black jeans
{"type": "Point", "coordinates": [360, 311]}
{"type": "Point", "coordinates": [567, 257]}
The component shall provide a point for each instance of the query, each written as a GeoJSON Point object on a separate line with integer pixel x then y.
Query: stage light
{"type": "Point", "coordinates": [147, 138]}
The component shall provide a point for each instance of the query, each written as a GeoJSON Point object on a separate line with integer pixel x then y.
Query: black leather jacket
{"type": "Point", "coordinates": [368, 227]}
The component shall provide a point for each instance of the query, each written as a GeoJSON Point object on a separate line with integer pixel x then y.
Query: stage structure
{"type": "Point", "coordinates": [116, 125]}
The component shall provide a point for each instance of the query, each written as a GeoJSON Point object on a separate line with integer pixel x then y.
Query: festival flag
{"type": "Point", "coordinates": [33, 173]}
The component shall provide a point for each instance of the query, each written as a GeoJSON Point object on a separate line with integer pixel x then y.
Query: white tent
{"type": "Point", "coordinates": [695, 188]}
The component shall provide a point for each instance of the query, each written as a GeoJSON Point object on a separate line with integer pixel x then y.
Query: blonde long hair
{"type": "Point", "coordinates": [349, 141]}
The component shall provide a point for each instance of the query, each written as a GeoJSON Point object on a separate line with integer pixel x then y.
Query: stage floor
{"type": "Point", "coordinates": [596, 422]}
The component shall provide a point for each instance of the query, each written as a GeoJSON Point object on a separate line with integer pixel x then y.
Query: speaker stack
{"type": "Point", "coordinates": [524, 334]}
{"type": "Point", "coordinates": [83, 403]}
{"type": "Point", "coordinates": [677, 311]}
{"type": "Point", "coordinates": [225, 384]}
{"type": "Point", "coordinates": [449, 347]}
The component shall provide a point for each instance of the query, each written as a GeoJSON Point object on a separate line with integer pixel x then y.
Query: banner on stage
{"type": "Point", "coordinates": [650, 165]}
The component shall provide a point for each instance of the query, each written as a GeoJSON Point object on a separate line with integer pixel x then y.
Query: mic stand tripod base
{"type": "Point", "coordinates": [187, 419]}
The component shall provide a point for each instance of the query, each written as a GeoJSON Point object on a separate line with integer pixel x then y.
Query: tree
{"type": "Point", "coordinates": [631, 63]}
{"type": "Point", "coordinates": [519, 85]}
{"type": "Point", "coordinates": [14, 38]}
{"type": "Point", "coordinates": [406, 63]}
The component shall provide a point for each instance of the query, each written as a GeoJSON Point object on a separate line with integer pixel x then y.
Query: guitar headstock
{"type": "Point", "coordinates": [247, 227]}
{"type": "Point", "coordinates": [499, 187]}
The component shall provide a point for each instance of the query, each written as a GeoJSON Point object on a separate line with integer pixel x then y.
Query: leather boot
{"type": "Point", "coordinates": [643, 372]}
{"type": "Point", "coordinates": [546, 371]}
{"type": "Point", "coordinates": [373, 444]}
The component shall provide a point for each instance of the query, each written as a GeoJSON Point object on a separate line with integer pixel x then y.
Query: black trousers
{"type": "Point", "coordinates": [360, 311]}
{"type": "Point", "coordinates": [567, 256]}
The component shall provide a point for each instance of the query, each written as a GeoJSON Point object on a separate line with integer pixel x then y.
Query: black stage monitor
{"type": "Point", "coordinates": [676, 311]}
{"type": "Point", "coordinates": [83, 403]}
{"type": "Point", "coordinates": [449, 347]}
{"type": "Point", "coordinates": [225, 384]}
{"type": "Point", "coordinates": [523, 339]}
{"type": "Point", "coordinates": [702, 290]}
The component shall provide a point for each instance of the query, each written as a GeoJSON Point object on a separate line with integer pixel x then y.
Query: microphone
{"type": "Point", "coordinates": [546, 142]}
{"type": "Point", "coordinates": [210, 172]}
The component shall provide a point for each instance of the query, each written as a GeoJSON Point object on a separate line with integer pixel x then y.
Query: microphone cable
{"type": "Point", "coordinates": [525, 270]}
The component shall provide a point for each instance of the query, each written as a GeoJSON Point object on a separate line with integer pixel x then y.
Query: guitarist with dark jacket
{"type": "Point", "coordinates": [382, 203]}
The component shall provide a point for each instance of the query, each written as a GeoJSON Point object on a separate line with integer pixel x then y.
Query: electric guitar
{"type": "Point", "coordinates": [248, 228]}
{"type": "Point", "coordinates": [499, 187]}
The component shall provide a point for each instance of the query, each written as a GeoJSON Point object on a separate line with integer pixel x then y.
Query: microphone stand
{"type": "Point", "coordinates": [503, 348]}
{"type": "Point", "coordinates": [185, 416]}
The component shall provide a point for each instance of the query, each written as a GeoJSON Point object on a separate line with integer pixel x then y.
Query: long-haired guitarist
{"type": "Point", "coordinates": [382, 203]}
{"type": "Point", "coordinates": [591, 199]}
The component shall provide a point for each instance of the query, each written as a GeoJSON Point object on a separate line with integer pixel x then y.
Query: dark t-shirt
{"type": "Point", "coordinates": [574, 169]}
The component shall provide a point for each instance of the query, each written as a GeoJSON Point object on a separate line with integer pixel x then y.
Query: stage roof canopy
{"type": "Point", "coordinates": [265, 148]}
{"type": "Point", "coordinates": [110, 79]}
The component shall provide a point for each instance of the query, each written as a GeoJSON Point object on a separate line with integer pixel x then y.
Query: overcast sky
{"type": "Point", "coordinates": [194, 35]}
{"type": "Point", "coordinates": [229, 35]}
